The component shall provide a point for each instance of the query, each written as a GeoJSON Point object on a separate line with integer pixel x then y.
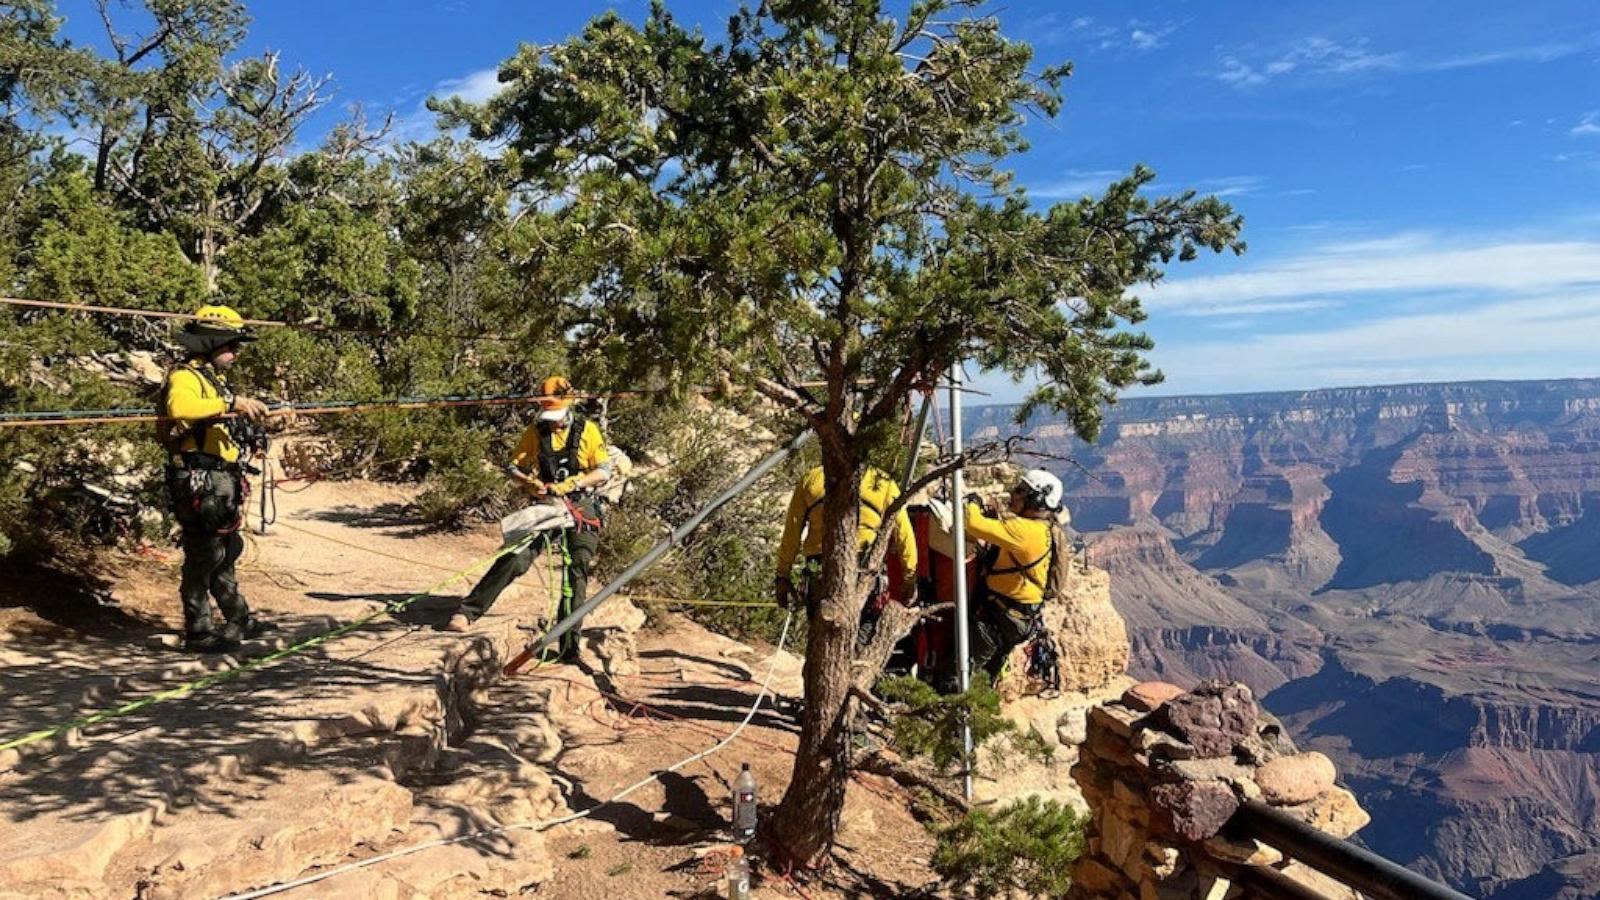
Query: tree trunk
{"type": "Point", "coordinates": [896, 622]}
{"type": "Point", "coordinates": [209, 265]}
{"type": "Point", "coordinates": [807, 819]}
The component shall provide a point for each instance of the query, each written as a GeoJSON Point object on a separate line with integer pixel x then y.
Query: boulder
{"type": "Point", "coordinates": [1212, 718]}
{"type": "Point", "coordinates": [611, 649]}
{"type": "Point", "coordinates": [1334, 811]}
{"type": "Point", "coordinates": [1295, 779]}
{"type": "Point", "coordinates": [1196, 810]}
{"type": "Point", "coordinates": [1270, 741]}
{"type": "Point", "coordinates": [1148, 695]}
{"type": "Point", "coordinates": [1072, 728]}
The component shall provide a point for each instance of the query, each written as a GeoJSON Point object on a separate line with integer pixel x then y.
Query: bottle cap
{"type": "Point", "coordinates": [744, 767]}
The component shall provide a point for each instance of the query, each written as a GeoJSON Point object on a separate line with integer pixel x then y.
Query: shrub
{"type": "Point", "coordinates": [930, 723]}
{"type": "Point", "coordinates": [1028, 846]}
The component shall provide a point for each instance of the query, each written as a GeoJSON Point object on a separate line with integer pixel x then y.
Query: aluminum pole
{"type": "Point", "coordinates": [958, 534]}
{"type": "Point", "coordinates": [916, 443]}
{"type": "Point", "coordinates": [656, 552]}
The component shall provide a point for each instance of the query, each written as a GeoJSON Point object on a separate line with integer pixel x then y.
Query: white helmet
{"type": "Point", "coordinates": [1043, 489]}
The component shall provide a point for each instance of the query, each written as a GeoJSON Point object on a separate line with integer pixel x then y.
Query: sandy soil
{"type": "Point", "coordinates": [338, 551]}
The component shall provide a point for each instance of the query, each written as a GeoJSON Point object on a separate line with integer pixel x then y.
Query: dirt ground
{"type": "Point", "coordinates": [340, 550]}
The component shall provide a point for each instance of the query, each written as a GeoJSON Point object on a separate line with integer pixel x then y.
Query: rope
{"type": "Point", "coordinates": [41, 418]}
{"type": "Point", "coordinates": [547, 823]}
{"type": "Point", "coordinates": [148, 414]}
{"type": "Point", "coordinates": [260, 662]}
{"type": "Point", "coordinates": [640, 598]}
{"type": "Point", "coordinates": [372, 550]}
{"type": "Point", "coordinates": [265, 323]}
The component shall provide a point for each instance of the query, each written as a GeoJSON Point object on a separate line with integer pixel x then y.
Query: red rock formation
{"type": "Point", "coordinates": [1409, 575]}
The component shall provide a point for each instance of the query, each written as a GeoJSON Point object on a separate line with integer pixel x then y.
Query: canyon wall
{"type": "Point", "coordinates": [1408, 575]}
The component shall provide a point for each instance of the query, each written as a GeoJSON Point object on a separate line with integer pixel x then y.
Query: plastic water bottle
{"type": "Point", "coordinates": [744, 806]}
{"type": "Point", "coordinates": [738, 874]}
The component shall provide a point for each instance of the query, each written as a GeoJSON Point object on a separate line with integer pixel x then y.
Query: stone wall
{"type": "Point", "coordinates": [1163, 771]}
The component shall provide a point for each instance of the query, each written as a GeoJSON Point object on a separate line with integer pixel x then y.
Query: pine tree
{"type": "Point", "coordinates": [819, 195]}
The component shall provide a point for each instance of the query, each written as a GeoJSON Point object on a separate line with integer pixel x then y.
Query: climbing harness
{"type": "Point", "coordinates": [1044, 658]}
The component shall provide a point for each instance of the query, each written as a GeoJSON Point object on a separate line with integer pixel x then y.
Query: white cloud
{"type": "Point", "coordinates": [1231, 185]}
{"type": "Point", "coordinates": [1254, 309]}
{"type": "Point", "coordinates": [1539, 54]}
{"type": "Point", "coordinates": [1238, 74]}
{"type": "Point", "coordinates": [474, 87]}
{"type": "Point", "coordinates": [1145, 36]}
{"type": "Point", "coordinates": [1588, 123]}
{"type": "Point", "coordinates": [1321, 56]}
{"type": "Point", "coordinates": [1144, 40]}
{"type": "Point", "coordinates": [1136, 35]}
{"type": "Point", "coordinates": [1412, 263]}
{"type": "Point", "coordinates": [1542, 336]}
{"type": "Point", "coordinates": [1075, 183]}
{"type": "Point", "coordinates": [1223, 186]}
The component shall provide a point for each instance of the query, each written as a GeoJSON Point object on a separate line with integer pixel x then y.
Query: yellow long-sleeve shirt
{"type": "Point", "coordinates": [804, 517]}
{"type": "Point", "coordinates": [1023, 567]}
{"type": "Point", "coordinates": [192, 399]}
{"type": "Point", "coordinates": [592, 452]}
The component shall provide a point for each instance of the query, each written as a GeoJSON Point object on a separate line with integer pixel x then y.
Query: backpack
{"type": "Point", "coordinates": [1059, 577]}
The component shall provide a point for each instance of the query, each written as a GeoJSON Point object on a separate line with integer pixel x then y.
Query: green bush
{"type": "Point", "coordinates": [729, 559]}
{"type": "Point", "coordinates": [930, 724]}
{"type": "Point", "coordinates": [1028, 846]}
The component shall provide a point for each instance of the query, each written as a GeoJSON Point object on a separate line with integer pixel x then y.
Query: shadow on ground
{"type": "Point", "coordinates": [383, 515]}
{"type": "Point", "coordinates": [166, 753]}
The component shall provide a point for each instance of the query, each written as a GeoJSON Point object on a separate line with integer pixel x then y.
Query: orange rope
{"type": "Point", "coordinates": [267, 323]}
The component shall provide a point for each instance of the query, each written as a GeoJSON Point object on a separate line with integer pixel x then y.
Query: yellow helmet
{"type": "Point", "coordinates": [219, 316]}
{"type": "Point", "coordinates": [214, 326]}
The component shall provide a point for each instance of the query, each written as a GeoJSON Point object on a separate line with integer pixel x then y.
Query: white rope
{"type": "Point", "coordinates": [548, 823]}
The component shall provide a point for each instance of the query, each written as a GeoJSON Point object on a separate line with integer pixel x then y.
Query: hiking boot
{"type": "Point", "coordinates": [248, 629]}
{"type": "Point", "coordinates": [258, 626]}
{"type": "Point", "coordinates": [209, 642]}
{"type": "Point", "coordinates": [458, 623]}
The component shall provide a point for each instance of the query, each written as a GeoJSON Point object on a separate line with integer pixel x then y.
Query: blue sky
{"type": "Point", "coordinates": [1419, 179]}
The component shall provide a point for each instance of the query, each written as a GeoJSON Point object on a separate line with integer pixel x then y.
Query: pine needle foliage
{"type": "Point", "coordinates": [1027, 847]}
{"type": "Point", "coordinates": [930, 723]}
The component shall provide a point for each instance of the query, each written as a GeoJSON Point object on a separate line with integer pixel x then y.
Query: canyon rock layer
{"type": "Point", "coordinates": [1408, 575]}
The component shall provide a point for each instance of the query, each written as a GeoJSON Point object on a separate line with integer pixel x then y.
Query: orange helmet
{"type": "Point", "coordinates": [555, 399]}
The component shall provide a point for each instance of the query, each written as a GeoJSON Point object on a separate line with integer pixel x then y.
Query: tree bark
{"type": "Point", "coordinates": [895, 623]}
{"type": "Point", "coordinates": [807, 819]}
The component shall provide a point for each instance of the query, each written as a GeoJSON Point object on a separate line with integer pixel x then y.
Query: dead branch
{"type": "Point", "coordinates": [879, 763]}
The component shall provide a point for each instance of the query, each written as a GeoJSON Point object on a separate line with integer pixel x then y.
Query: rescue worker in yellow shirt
{"type": "Point", "coordinates": [562, 455]}
{"type": "Point", "coordinates": [802, 532]}
{"type": "Point", "coordinates": [1014, 567]}
{"type": "Point", "coordinates": [205, 477]}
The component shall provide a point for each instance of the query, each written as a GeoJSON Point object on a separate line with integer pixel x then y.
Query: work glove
{"type": "Point", "coordinates": [254, 410]}
{"type": "Point", "coordinates": [782, 591]}
{"type": "Point", "coordinates": [563, 488]}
